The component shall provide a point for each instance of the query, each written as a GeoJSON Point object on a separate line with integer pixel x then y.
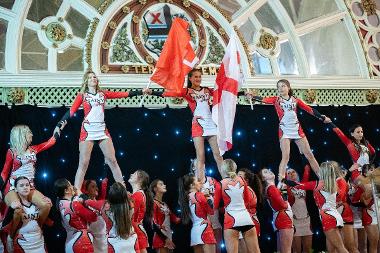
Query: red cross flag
{"type": "Point", "coordinates": [176, 59]}
{"type": "Point", "coordinates": [228, 80]}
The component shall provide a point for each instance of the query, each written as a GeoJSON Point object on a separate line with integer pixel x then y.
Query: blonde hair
{"type": "Point", "coordinates": [327, 174]}
{"type": "Point", "coordinates": [229, 167]}
{"type": "Point", "coordinates": [84, 87]}
{"type": "Point", "coordinates": [18, 140]}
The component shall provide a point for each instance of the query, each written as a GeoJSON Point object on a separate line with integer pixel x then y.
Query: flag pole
{"type": "Point", "coordinates": [142, 99]}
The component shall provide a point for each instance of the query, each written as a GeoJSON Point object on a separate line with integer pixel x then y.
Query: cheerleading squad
{"type": "Point", "coordinates": [112, 221]}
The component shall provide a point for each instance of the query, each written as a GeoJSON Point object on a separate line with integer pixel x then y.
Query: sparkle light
{"type": "Point", "coordinates": [53, 114]}
{"type": "Point", "coordinates": [44, 175]}
{"type": "Point", "coordinates": [238, 133]}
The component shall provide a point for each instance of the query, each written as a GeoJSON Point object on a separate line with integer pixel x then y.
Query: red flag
{"type": "Point", "coordinates": [176, 59]}
{"type": "Point", "coordinates": [225, 94]}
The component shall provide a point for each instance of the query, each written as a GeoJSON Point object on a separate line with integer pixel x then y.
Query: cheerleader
{"type": "Point", "coordinates": [290, 129]}
{"type": "Point", "coordinates": [348, 232]}
{"type": "Point", "coordinates": [196, 206]}
{"type": "Point", "coordinates": [20, 161]}
{"type": "Point", "coordinates": [26, 234]}
{"type": "Point", "coordinates": [360, 150]}
{"type": "Point", "coordinates": [75, 218]}
{"type": "Point", "coordinates": [237, 200]}
{"type": "Point", "coordinates": [162, 218]}
{"type": "Point", "coordinates": [121, 235]}
{"type": "Point", "coordinates": [143, 206]}
{"type": "Point", "coordinates": [303, 236]}
{"type": "Point", "coordinates": [325, 191]}
{"type": "Point", "coordinates": [93, 100]}
{"type": "Point", "coordinates": [97, 228]}
{"type": "Point", "coordinates": [203, 127]}
{"type": "Point", "coordinates": [255, 189]}
{"type": "Point", "coordinates": [211, 186]}
{"type": "Point", "coordinates": [282, 213]}
{"type": "Point", "coordinates": [364, 196]}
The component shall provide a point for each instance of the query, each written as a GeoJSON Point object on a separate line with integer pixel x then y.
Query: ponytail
{"type": "Point", "coordinates": [144, 184]}
{"type": "Point", "coordinates": [184, 184]}
{"type": "Point", "coordinates": [231, 174]}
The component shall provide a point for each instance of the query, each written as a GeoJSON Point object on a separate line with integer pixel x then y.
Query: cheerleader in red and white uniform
{"type": "Point", "coordinates": [282, 213]}
{"type": "Point", "coordinates": [20, 161]}
{"type": "Point", "coordinates": [203, 127]}
{"type": "Point", "coordinates": [75, 218]}
{"type": "Point", "coordinates": [325, 191]}
{"type": "Point", "coordinates": [360, 150]}
{"type": "Point", "coordinates": [290, 129]}
{"type": "Point", "coordinates": [363, 195]}
{"type": "Point", "coordinates": [344, 209]}
{"type": "Point", "coordinates": [121, 235]}
{"type": "Point", "coordinates": [98, 227]}
{"type": "Point", "coordinates": [255, 189]}
{"type": "Point", "coordinates": [162, 219]}
{"type": "Point", "coordinates": [237, 200]}
{"type": "Point", "coordinates": [93, 100]}
{"type": "Point", "coordinates": [143, 205]}
{"type": "Point", "coordinates": [210, 186]}
{"type": "Point", "coordinates": [195, 206]}
{"type": "Point", "coordinates": [26, 234]}
{"type": "Point", "coordinates": [303, 236]}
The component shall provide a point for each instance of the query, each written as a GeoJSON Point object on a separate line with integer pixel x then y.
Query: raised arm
{"type": "Point", "coordinates": [265, 100]}
{"type": "Point", "coordinates": [121, 94]}
{"type": "Point", "coordinates": [45, 145]}
{"type": "Point", "coordinates": [103, 189]}
{"type": "Point", "coordinates": [73, 109]}
{"type": "Point", "coordinates": [83, 212]}
{"type": "Point", "coordinates": [301, 104]}
{"type": "Point", "coordinates": [343, 138]}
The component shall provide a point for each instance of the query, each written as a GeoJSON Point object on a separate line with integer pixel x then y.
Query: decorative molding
{"type": "Point", "coordinates": [366, 32]}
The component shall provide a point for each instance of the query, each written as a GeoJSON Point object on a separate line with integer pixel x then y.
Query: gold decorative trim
{"type": "Point", "coordinates": [16, 96]}
{"type": "Point", "coordinates": [125, 69]}
{"type": "Point", "coordinates": [177, 101]}
{"type": "Point", "coordinates": [355, 22]}
{"type": "Point", "coordinates": [369, 6]}
{"type": "Point", "coordinates": [221, 11]}
{"type": "Point", "coordinates": [126, 9]}
{"type": "Point", "coordinates": [136, 19]}
{"type": "Point", "coordinates": [137, 40]}
{"type": "Point", "coordinates": [112, 25]}
{"type": "Point", "coordinates": [198, 22]}
{"type": "Point", "coordinates": [221, 31]}
{"type": "Point", "coordinates": [105, 45]}
{"type": "Point", "coordinates": [310, 96]}
{"type": "Point", "coordinates": [206, 15]}
{"type": "Point", "coordinates": [149, 59]}
{"type": "Point", "coordinates": [186, 3]}
{"type": "Point", "coordinates": [70, 36]}
{"type": "Point", "coordinates": [105, 69]}
{"type": "Point", "coordinates": [202, 43]}
{"type": "Point", "coordinates": [90, 38]}
{"type": "Point", "coordinates": [372, 96]}
{"type": "Point", "coordinates": [102, 8]}
{"type": "Point", "coordinates": [142, 2]}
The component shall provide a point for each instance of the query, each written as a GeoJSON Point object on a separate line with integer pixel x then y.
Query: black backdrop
{"type": "Point", "coordinates": [159, 142]}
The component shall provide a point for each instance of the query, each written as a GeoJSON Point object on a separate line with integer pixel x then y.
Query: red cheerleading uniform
{"type": "Point", "coordinates": [326, 203]}
{"type": "Point", "coordinates": [139, 201]}
{"type": "Point", "coordinates": [162, 218]}
{"type": "Point", "coordinates": [359, 153]}
{"type": "Point", "coordinates": [341, 199]}
{"type": "Point", "coordinates": [201, 231]}
{"type": "Point", "coordinates": [75, 219]}
{"type": "Point", "coordinates": [286, 109]}
{"type": "Point", "coordinates": [282, 213]}
{"type": "Point", "coordinates": [93, 125]}
{"type": "Point", "coordinates": [199, 103]}
{"type": "Point", "coordinates": [22, 165]}
{"type": "Point", "coordinates": [213, 186]}
{"type": "Point", "coordinates": [253, 211]}
{"type": "Point", "coordinates": [237, 200]}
